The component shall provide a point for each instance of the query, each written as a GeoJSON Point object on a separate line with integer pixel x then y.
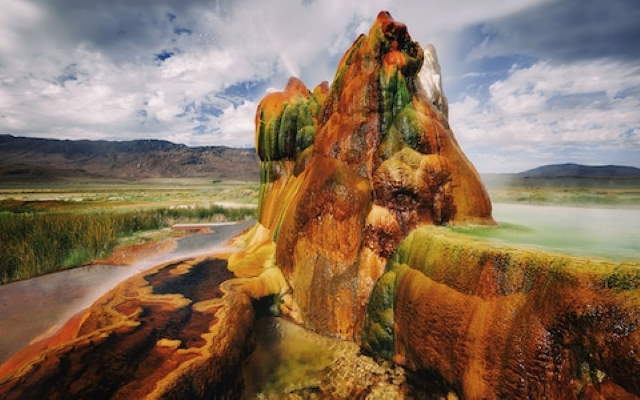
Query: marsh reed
{"type": "Point", "coordinates": [33, 243]}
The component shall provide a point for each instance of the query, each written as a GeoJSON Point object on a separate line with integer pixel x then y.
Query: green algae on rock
{"type": "Point", "coordinates": [377, 158]}
{"type": "Point", "coordinates": [348, 217]}
{"type": "Point", "coordinates": [502, 322]}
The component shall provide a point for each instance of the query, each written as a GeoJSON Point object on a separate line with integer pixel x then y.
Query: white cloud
{"type": "Point", "coordinates": [16, 15]}
{"type": "Point", "coordinates": [235, 122]}
{"type": "Point", "coordinates": [116, 90]}
{"type": "Point", "coordinates": [546, 109]}
{"type": "Point", "coordinates": [90, 72]}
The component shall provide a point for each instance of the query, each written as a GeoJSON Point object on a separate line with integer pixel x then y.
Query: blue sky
{"type": "Point", "coordinates": [529, 82]}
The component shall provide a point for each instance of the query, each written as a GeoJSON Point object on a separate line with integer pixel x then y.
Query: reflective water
{"type": "Point", "coordinates": [612, 233]}
{"type": "Point", "coordinates": [32, 307]}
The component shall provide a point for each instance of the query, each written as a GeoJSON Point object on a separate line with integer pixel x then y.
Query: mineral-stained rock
{"type": "Point", "coordinates": [347, 213]}
{"type": "Point", "coordinates": [508, 323]}
{"type": "Point", "coordinates": [175, 331]}
{"type": "Point", "coordinates": [348, 170]}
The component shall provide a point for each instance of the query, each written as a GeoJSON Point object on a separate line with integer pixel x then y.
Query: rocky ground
{"type": "Point", "coordinates": [351, 376]}
{"type": "Point", "coordinates": [290, 362]}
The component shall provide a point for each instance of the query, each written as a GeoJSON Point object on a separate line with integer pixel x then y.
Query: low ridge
{"type": "Point", "coordinates": [570, 170]}
{"type": "Point", "coordinates": [23, 158]}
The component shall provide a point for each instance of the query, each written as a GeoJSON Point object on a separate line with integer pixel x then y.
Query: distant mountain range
{"type": "Point", "coordinates": [581, 171]}
{"type": "Point", "coordinates": [23, 158]}
{"type": "Point", "coordinates": [569, 175]}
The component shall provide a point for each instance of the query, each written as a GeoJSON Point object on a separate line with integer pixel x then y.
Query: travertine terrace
{"type": "Point", "coordinates": [353, 175]}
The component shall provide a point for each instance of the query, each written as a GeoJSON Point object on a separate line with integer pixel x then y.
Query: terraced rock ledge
{"type": "Point", "coordinates": [490, 321]}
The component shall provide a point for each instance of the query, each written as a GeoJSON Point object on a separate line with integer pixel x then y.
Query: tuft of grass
{"type": "Point", "coordinates": [621, 280]}
{"type": "Point", "coordinates": [207, 213]}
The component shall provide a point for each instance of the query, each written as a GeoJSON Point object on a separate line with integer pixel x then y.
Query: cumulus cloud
{"type": "Point", "coordinates": [552, 113]}
{"type": "Point", "coordinates": [192, 71]}
{"type": "Point", "coordinates": [174, 69]}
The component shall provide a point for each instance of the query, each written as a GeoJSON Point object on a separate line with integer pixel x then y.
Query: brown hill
{"type": "Point", "coordinates": [36, 159]}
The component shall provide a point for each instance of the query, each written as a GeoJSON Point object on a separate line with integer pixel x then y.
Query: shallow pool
{"type": "Point", "coordinates": [612, 233]}
{"type": "Point", "coordinates": [287, 358]}
{"type": "Point", "coordinates": [33, 307]}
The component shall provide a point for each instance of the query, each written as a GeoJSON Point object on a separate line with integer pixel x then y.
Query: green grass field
{"type": "Point", "coordinates": [49, 227]}
{"type": "Point", "coordinates": [80, 195]}
{"type": "Point", "coordinates": [593, 192]}
{"type": "Point", "coordinates": [567, 195]}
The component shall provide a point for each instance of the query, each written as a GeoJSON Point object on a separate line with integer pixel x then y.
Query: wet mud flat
{"type": "Point", "coordinates": [170, 331]}
{"type": "Point", "coordinates": [35, 307]}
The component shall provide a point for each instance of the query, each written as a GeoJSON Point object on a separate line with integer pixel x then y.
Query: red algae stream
{"type": "Point", "coordinates": [34, 308]}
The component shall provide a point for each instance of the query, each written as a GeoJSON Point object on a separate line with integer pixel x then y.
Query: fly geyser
{"type": "Point", "coordinates": [348, 171]}
{"type": "Point", "coordinates": [356, 178]}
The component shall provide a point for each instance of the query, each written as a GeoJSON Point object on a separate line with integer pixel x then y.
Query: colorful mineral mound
{"type": "Point", "coordinates": [492, 322]}
{"type": "Point", "coordinates": [353, 176]}
{"type": "Point", "coordinates": [348, 170]}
